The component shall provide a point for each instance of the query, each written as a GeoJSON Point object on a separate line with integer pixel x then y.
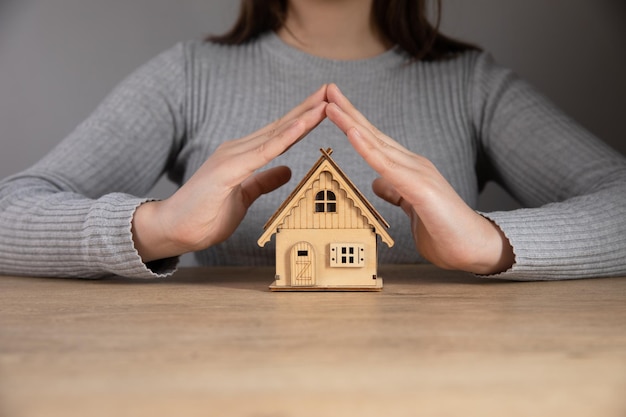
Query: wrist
{"type": "Point", "coordinates": [500, 256]}
{"type": "Point", "coordinates": [150, 236]}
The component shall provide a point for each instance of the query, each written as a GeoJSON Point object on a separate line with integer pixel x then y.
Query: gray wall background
{"type": "Point", "coordinates": [59, 58]}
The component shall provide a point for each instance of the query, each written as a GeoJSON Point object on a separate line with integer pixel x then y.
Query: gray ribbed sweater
{"type": "Point", "coordinates": [70, 214]}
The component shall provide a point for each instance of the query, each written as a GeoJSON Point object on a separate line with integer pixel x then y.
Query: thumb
{"type": "Point", "coordinates": [388, 192]}
{"type": "Point", "coordinates": [263, 183]}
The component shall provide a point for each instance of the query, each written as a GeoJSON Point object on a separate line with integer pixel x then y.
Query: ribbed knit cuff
{"type": "Point", "coordinates": [555, 242]}
{"type": "Point", "coordinates": [110, 241]}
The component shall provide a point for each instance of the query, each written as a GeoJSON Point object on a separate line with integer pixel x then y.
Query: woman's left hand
{"type": "Point", "coordinates": [447, 232]}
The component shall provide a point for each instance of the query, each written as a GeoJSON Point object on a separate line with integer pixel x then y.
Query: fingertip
{"type": "Point", "coordinates": [332, 107]}
{"type": "Point", "coordinates": [283, 174]}
{"type": "Point", "coordinates": [383, 189]}
{"type": "Point", "coordinates": [334, 87]}
{"type": "Point", "coordinates": [333, 92]}
{"type": "Point", "coordinates": [265, 182]}
{"type": "Point", "coordinates": [316, 114]}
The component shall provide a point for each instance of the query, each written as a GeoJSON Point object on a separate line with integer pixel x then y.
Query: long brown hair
{"type": "Point", "coordinates": [402, 22]}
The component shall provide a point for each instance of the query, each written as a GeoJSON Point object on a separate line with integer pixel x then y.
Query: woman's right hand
{"type": "Point", "coordinates": [207, 209]}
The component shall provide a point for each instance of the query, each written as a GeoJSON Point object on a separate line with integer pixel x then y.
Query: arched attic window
{"type": "Point", "coordinates": [325, 202]}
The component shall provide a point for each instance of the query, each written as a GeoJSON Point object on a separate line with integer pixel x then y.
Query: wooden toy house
{"type": "Point", "coordinates": [326, 234]}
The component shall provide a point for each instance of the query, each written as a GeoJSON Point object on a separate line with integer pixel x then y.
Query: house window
{"type": "Point", "coordinates": [347, 255]}
{"type": "Point", "coordinates": [325, 202]}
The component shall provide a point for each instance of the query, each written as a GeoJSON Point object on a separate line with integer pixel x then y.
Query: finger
{"type": "Point", "coordinates": [370, 146]}
{"type": "Point", "coordinates": [263, 183]}
{"type": "Point", "coordinates": [393, 162]}
{"type": "Point", "coordinates": [310, 118]}
{"type": "Point", "coordinates": [276, 127]}
{"type": "Point", "coordinates": [343, 113]}
{"type": "Point", "coordinates": [239, 159]}
{"type": "Point", "coordinates": [345, 122]}
{"type": "Point", "coordinates": [399, 170]}
{"type": "Point", "coordinates": [385, 190]}
{"type": "Point", "coordinates": [309, 103]}
{"type": "Point", "coordinates": [334, 95]}
{"type": "Point", "coordinates": [242, 157]}
{"type": "Point", "coordinates": [268, 146]}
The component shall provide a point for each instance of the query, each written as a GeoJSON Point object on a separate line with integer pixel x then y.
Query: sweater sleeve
{"type": "Point", "coordinates": [573, 185]}
{"type": "Point", "coordinates": [70, 214]}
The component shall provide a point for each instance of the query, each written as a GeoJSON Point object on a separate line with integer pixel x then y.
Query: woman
{"type": "Point", "coordinates": [457, 120]}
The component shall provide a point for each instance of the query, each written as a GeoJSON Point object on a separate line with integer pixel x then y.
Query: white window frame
{"type": "Point", "coordinates": [347, 255]}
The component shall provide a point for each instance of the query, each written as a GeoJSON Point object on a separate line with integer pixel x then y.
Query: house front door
{"type": "Point", "coordinates": [302, 265]}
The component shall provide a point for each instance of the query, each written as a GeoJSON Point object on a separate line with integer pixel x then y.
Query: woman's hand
{"type": "Point", "coordinates": [208, 208]}
{"type": "Point", "coordinates": [446, 230]}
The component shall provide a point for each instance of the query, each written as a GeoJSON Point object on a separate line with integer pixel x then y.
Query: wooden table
{"type": "Point", "coordinates": [216, 342]}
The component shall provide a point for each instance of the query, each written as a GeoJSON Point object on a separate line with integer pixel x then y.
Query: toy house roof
{"type": "Point", "coordinates": [326, 163]}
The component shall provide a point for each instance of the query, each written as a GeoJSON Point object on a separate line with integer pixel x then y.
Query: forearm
{"type": "Point", "coordinates": [582, 237]}
{"type": "Point", "coordinates": [49, 232]}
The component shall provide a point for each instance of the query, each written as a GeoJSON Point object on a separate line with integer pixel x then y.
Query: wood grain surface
{"type": "Point", "coordinates": [217, 342]}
